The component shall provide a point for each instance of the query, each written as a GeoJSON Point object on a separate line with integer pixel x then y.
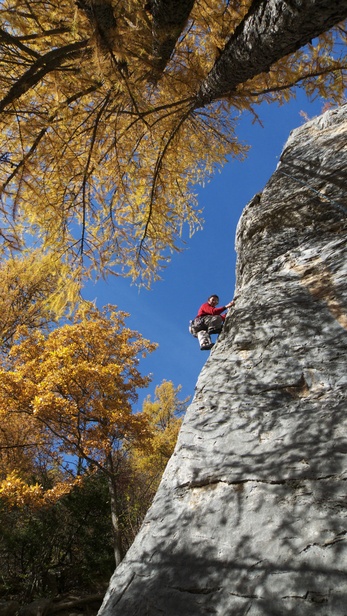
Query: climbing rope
{"type": "Point", "coordinates": [320, 194]}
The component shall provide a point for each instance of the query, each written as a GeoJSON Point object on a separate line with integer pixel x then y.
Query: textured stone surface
{"type": "Point", "coordinates": [250, 517]}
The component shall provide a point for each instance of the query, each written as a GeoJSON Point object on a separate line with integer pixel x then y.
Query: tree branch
{"type": "Point", "coordinates": [158, 166]}
{"type": "Point", "coordinates": [16, 42]}
{"type": "Point", "coordinates": [42, 133]}
{"type": "Point", "coordinates": [296, 82]}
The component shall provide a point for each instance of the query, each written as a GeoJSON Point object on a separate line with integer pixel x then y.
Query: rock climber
{"type": "Point", "coordinates": [209, 321]}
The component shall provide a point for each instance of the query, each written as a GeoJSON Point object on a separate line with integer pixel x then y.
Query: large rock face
{"type": "Point", "coordinates": [250, 517]}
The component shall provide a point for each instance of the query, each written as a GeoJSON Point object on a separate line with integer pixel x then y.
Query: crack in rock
{"type": "Point", "coordinates": [340, 537]}
{"type": "Point", "coordinates": [311, 595]}
{"type": "Point", "coordinates": [197, 591]}
{"type": "Point", "coordinates": [211, 482]}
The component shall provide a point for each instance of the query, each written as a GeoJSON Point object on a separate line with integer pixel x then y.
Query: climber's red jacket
{"type": "Point", "coordinates": [206, 308]}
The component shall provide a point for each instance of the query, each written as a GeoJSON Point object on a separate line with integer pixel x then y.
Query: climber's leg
{"type": "Point", "coordinates": [204, 341]}
{"type": "Point", "coordinates": [215, 324]}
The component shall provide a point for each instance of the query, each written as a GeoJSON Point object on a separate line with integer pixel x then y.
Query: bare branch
{"type": "Point", "coordinates": [87, 172]}
{"type": "Point", "coordinates": [42, 133]}
{"type": "Point", "coordinates": [16, 41]}
{"type": "Point", "coordinates": [158, 166]}
{"type": "Point", "coordinates": [299, 80]}
{"type": "Point", "coordinates": [43, 65]}
{"type": "Point", "coordinates": [270, 31]}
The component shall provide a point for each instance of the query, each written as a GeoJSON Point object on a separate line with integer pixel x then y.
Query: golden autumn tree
{"type": "Point", "coordinates": [164, 414]}
{"type": "Point", "coordinates": [36, 290]}
{"type": "Point", "coordinates": [111, 111]}
{"type": "Point", "coordinates": [72, 390]}
{"type": "Point", "coordinates": [34, 293]}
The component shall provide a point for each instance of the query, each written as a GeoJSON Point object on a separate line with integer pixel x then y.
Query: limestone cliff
{"type": "Point", "coordinates": [250, 517]}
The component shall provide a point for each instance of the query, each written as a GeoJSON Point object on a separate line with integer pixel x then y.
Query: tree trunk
{"type": "Point", "coordinates": [169, 19]}
{"type": "Point", "coordinates": [116, 531]}
{"type": "Point", "coordinates": [271, 30]}
{"type": "Point", "coordinates": [100, 15]}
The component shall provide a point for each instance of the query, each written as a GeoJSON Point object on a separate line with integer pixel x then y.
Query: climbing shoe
{"type": "Point", "coordinates": [207, 347]}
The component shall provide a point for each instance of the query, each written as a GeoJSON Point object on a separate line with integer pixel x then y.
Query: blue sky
{"type": "Point", "coordinates": [207, 265]}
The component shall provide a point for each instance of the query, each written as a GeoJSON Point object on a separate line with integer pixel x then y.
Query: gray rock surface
{"type": "Point", "coordinates": [250, 517]}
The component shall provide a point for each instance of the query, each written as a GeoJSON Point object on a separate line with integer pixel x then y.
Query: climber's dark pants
{"type": "Point", "coordinates": [211, 324]}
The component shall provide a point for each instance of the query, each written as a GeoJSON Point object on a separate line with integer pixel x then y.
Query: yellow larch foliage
{"type": "Point", "coordinates": [164, 414]}
{"type": "Point", "coordinates": [99, 159]}
{"type": "Point", "coordinates": [35, 290]}
{"type": "Point", "coordinates": [18, 493]}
